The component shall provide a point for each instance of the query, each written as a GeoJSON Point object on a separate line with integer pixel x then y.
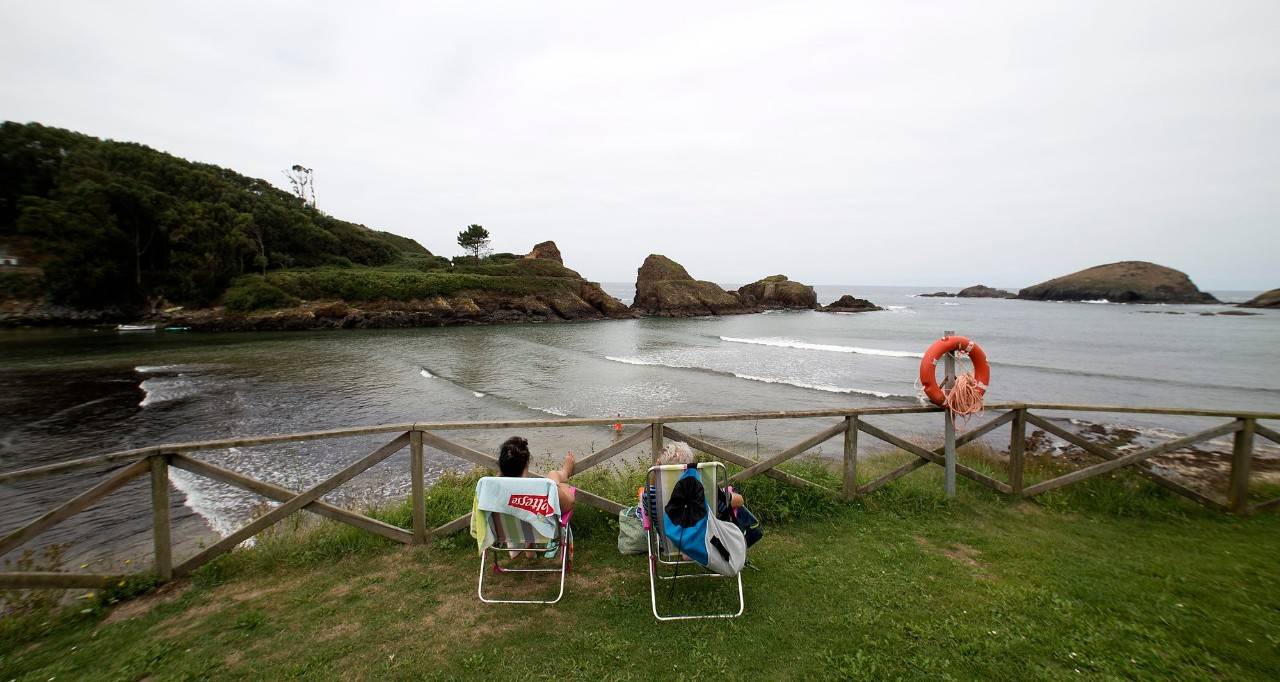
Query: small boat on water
{"type": "Point", "coordinates": [135, 327]}
{"type": "Point", "coordinates": [177, 329]}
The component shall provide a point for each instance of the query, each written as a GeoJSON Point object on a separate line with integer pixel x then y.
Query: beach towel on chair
{"type": "Point", "coordinates": [694, 529]}
{"type": "Point", "coordinates": [515, 510]}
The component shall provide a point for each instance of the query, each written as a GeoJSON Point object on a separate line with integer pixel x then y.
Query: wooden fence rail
{"type": "Point", "coordinates": [418, 436]}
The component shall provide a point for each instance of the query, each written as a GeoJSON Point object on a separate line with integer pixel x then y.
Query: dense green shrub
{"type": "Point", "coordinates": [367, 284]}
{"type": "Point", "coordinates": [252, 292]}
{"type": "Point", "coordinates": [116, 223]}
{"type": "Point", "coordinates": [21, 285]}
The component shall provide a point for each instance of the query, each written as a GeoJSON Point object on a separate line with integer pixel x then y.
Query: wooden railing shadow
{"type": "Point", "coordinates": [849, 423]}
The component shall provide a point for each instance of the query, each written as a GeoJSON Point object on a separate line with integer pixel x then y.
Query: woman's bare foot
{"type": "Point", "coordinates": [569, 462]}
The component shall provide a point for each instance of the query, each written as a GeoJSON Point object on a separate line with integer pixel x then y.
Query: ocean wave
{"type": "Point", "coordinates": [549, 410]}
{"type": "Point", "coordinates": [948, 303]}
{"type": "Point", "coordinates": [826, 388]}
{"type": "Point", "coordinates": [1098, 301]}
{"type": "Point", "coordinates": [477, 394]}
{"type": "Point", "coordinates": [897, 307]}
{"type": "Point", "coordinates": [166, 389]}
{"type": "Point", "coordinates": [425, 374]}
{"type": "Point", "coordinates": [152, 369]}
{"type": "Point", "coordinates": [804, 345]}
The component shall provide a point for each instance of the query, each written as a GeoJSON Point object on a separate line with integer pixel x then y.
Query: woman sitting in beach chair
{"type": "Point", "coordinates": [516, 514]}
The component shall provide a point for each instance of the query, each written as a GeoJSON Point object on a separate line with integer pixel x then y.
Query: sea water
{"type": "Point", "coordinates": [75, 393]}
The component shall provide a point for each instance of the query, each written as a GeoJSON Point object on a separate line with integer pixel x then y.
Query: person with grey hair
{"type": "Point", "coordinates": [679, 452]}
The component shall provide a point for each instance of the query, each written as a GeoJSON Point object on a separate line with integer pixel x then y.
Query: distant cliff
{"type": "Point", "coordinates": [1123, 282]}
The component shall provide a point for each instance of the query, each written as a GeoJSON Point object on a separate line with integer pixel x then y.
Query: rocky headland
{"type": "Point", "coordinates": [1267, 299]}
{"type": "Point", "coordinates": [665, 289]}
{"type": "Point", "coordinates": [1123, 282]}
{"type": "Point", "coordinates": [850, 304]}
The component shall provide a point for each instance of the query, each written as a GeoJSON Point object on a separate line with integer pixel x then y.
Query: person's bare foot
{"type": "Point", "coordinates": [569, 462]}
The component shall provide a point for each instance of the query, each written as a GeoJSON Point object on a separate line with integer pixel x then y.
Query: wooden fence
{"type": "Point", "coordinates": [848, 424]}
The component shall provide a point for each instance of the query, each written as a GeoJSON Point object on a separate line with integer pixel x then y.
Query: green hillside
{"type": "Point", "coordinates": [120, 224]}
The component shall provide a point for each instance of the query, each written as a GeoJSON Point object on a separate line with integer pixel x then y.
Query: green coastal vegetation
{"type": "Point", "coordinates": [106, 224]}
{"type": "Point", "coordinates": [1114, 578]}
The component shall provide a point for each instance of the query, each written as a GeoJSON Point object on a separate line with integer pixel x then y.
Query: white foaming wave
{"type": "Point", "coordinates": [896, 307]}
{"type": "Point", "coordinates": [202, 500]}
{"type": "Point", "coordinates": [818, 387]}
{"type": "Point", "coordinates": [425, 374]}
{"type": "Point", "coordinates": [152, 369]}
{"type": "Point", "coordinates": [549, 410]}
{"type": "Point", "coordinates": [638, 361]}
{"type": "Point", "coordinates": [1098, 301]}
{"type": "Point", "coordinates": [827, 388]}
{"type": "Point", "coordinates": [803, 345]}
{"type": "Point", "coordinates": [944, 303]}
{"type": "Point", "coordinates": [166, 389]}
{"type": "Point", "coordinates": [477, 394]}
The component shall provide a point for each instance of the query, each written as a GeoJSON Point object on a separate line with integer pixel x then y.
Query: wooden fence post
{"type": "Point", "coordinates": [1241, 463]}
{"type": "Point", "coordinates": [418, 498]}
{"type": "Point", "coordinates": [656, 436]}
{"type": "Point", "coordinates": [1017, 450]}
{"type": "Point", "coordinates": [160, 517]}
{"type": "Point", "coordinates": [949, 424]}
{"type": "Point", "coordinates": [850, 457]}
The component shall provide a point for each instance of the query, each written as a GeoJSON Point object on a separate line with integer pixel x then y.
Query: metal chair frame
{"type": "Point", "coordinates": [561, 542]}
{"type": "Point", "coordinates": [671, 557]}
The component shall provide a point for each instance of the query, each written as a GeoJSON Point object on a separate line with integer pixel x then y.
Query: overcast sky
{"type": "Point", "coordinates": [843, 143]}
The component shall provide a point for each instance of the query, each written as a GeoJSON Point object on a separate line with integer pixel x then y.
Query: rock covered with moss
{"type": "Point", "coordinates": [665, 289]}
{"type": "Point", "coordinates": [1123, 282]}
{"type": "Point", "coordinates": [1267, 299]}
{"type": "Point", "coordinates": [778, 292]}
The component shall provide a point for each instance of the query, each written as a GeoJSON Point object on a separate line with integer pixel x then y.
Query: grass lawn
{"type": "Point", "coordinates": [904, 584]}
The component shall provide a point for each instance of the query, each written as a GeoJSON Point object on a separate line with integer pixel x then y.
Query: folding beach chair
{"type": "Point", "coordinates": [667, 562]}
{"type": "Point", "coordinates": [511, 515]}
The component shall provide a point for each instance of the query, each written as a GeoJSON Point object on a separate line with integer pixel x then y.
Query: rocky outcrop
{"type": "Point", "coordinates": [849, 304]}
{"type": "Point", "coordinates": [938, 294]}
{"type": "Point", "coordinates": [665, 289]}
{"type": "Point", "coordinates": [1267, 299]}
{"type": "Point", "coordinates": [546, 251]}
{"type": "Point", "coordinates": [466, 308]}
{"type": "Point", "coordinates": [778, 292]}
{"type": "Point", "coordinates": [1123, 282]}
{"type": "Point", "coordinates": [983, 291]}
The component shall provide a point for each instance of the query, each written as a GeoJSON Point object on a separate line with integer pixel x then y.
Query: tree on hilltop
{"type": "Point", "coordinates": [474, 239]}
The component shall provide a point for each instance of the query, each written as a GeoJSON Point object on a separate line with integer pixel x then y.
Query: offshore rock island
{"type": "Point", "coordinates": [1123, 282]}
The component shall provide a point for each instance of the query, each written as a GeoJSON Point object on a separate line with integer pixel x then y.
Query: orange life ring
{"type": "Point", "coordinates": [947, 344]}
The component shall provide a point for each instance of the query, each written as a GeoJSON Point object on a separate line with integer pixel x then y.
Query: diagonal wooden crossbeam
{"type": "Point", "coordinates": [292, 505]}
{"type": "Point", "coordinates": [1143, 468]}
{"type": "Point", "coordinates": [1269, 434]}
{"type": "Point", "coordinates": [767, 464]}
{"type": "Point", "coordinates": [73, 506]}
{"type": "Point", "coordinates": [613, 449]}
{"type": "Point", "coordinates": [968, 472]}
{"type": "Point", "coordinates": [918, 462]}
{"type": "Point", "coordinates": [1131, 458]}
{"type": "Point", "coordinates": [741, 460]}
{"type": "Point", "coordinates": [279, 494]}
